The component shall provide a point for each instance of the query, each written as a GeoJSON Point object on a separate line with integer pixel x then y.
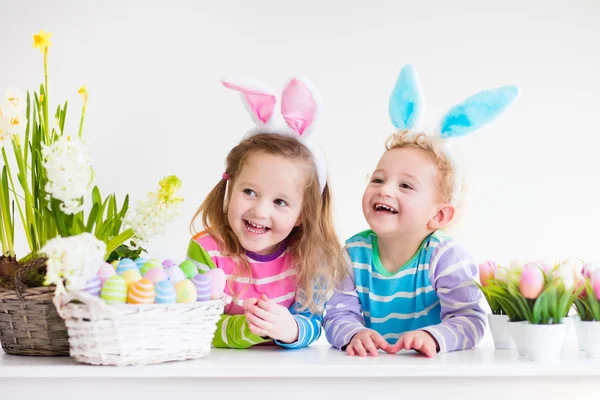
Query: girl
{"type": "Point", "coordinates": [269, 225]}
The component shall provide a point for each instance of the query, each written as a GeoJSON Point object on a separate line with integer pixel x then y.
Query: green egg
{"type": "Point", "coordinates": [189, 269]}
{"type": "Point", "coordinates": [114, 290]}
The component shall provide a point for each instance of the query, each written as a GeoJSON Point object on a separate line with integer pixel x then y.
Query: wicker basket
{"type": "Point", "coordinates": [29, 323]}
{"type": "Point", "coordinates": [129, 334]}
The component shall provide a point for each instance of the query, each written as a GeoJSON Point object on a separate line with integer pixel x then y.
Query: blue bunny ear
{"type": "Point", "coordinates": [406, 100]}
{"type": "Point", "coordinates": [477, 110]}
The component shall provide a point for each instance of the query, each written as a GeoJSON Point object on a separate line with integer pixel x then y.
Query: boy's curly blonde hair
{"type": "Point", "coordinates": [433, 147]}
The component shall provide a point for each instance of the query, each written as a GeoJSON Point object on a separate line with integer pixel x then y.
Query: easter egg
{"type": "Point", "coordinates": [126, 264]}
{"type": "Point", "coordinates": [186, 291]}
{"type": "Point", "coordinates": [165, 293]}
{"type": "Point", "coordinates": [175, 274]}
{"type": "Point", "coordinates": [115, 264]}
{"type": "Point", "coordinates": [105, 271]}
{"type": "Point", "coordinates": [189, 268]}
{"type": "Point", "coordinates": [94, 286]}
{"type": "Point", "coordinates": [156, 274]}
{"type": "Point", "coordinates": [131, 276]}
{"type": "Point", "coordinates": [140, 261]}
{"type": "Point", "coordinates": [203, 287]}
{"type": "Point", "coordinates": [168, 263]}
{"type": "Point", "coordinates": [141, 292]}
{"type": "Point", "coordinates": [114, 290]}
{"type": "Point", "coordinates": [217, 284]}
{"type": "Point", "coordinates": [148, 265]}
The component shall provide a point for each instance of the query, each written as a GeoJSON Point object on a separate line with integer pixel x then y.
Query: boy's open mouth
{"type": "Point", "coordinates": [384, 209]}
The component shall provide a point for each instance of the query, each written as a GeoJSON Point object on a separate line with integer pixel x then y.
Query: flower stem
{"type": "Point", "coordinates": [118, 240]}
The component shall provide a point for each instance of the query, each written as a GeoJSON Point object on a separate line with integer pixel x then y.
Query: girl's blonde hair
{"type": "Point", "coordinates": [433, 147]}
{"type": "Point", "coordinates": [313, 244]}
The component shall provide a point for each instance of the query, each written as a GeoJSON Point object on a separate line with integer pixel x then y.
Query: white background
{"type": "Point", "coordinates": [157, 108]}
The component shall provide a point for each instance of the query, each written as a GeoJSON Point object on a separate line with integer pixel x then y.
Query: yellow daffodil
{"type": "Point", "coordinates": [41, 40]}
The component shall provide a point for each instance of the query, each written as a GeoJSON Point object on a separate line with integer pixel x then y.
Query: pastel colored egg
{"type": "Point", "coordinates": [115, 264]}
{"type": "Point", "coordinates": [186, 291]}
{"type": "Point", "coordinates": [156, 274]}
{"type": "Point", "coordinates": [94, 286]}
{"type": "Point", "coordinates": [105, 271]}
{"type": "Point", "coordinates": [218, 281]}
{"type": "Point", "coordinates": [114, 290]}
{"type": "Point", "coordinates": [141, 292]}
{"type": "Point", "coordinates": [168, 263]}
{"type": "Point", "coordinates": [131, 276]}
{"type": "Point", "coordinates": [126, 264]}
{"type": "Point", "coordinates": [175, 275]}
{"type": "Point", "coordinates": [202, 282]}
{"type": "Point", "coordinates": [189, 268]}
{"type": "Point", "coordinates": [165, 293]}
{"type": "Point", "coordinates": [148, 265]}
{"type": "Point", "coordinates": [140, 261]}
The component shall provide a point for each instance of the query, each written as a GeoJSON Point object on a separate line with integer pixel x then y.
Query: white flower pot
{"type": "Point", "coordinates": [544, 343]}
{"type": "Point", "coordinates": [500, 334]}
{"type": "Point", "coordinates": [591, 338]}
{"type": "Point", "coordinates": [579, 332]}
{"type": "Point", "coordinates": [517, 330]}
{"type": "Point", "coordinates": [568, 321]}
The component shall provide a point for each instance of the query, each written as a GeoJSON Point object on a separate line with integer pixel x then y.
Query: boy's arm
{"type": "Point", "coordinates": [452, 271]}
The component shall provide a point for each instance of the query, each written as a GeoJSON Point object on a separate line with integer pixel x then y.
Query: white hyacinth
{"type": "Point", "coordinates": [152, 215]}
{"type": "Point", "coordinates": [74, 259]}
{"type": "Point", "coordinates": [69, 171]}
{"type": "Point", "coordinates": [12, 120]}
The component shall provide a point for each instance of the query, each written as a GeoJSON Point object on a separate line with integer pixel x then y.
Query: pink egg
{"type": "Point", "coordinates": [156, 275]}
{"type": "Point", "coordinates": [105, 271]}
{"type": "Point", "coordinates": [217, 284]}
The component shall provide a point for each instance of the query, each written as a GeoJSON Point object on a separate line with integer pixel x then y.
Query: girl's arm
{"type": "Point", "coordinates": [233, 332]}
{"type": "Point", "coordinates": [451, 273]}
{"type": "Point", "coordinates": [309, 328]}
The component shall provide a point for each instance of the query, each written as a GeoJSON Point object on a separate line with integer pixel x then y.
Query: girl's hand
{"type": "Point", "coordinates": [267, 318]}
{"type": "Point", "coordinates": [420, 341]}
{"type": "Point", "coordinates": [366, 342]}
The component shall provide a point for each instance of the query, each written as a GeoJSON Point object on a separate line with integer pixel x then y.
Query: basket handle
{"type": "Point", "coordinates": [95, 304]}
{"type": "Point", "coordinates": [30, 265]}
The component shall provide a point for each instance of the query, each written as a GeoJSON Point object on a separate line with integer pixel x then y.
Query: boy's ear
{"type": "Point", "coordinates": [442, 218]}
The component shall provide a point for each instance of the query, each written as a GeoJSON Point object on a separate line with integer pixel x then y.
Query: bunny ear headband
{"type": "Point", "coordinates": [300, 109]}
{"type": "Point", "coordinates": [406, 111]}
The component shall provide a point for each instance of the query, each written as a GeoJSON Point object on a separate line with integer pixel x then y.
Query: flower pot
{"type": "Point", "coordinates": [590, 338]}
{"type": "Point", "coordinates": [579, 332]}
{"type": "Point", "coordinates": [517, 330]}
{"type": "Point", "coordinates": [544, 343]}
{"type": "Point", "coordinates": [500, 334]}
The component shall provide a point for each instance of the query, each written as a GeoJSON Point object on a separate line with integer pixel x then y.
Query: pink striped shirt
{"type": "Point", "coordinates": [273, 275]}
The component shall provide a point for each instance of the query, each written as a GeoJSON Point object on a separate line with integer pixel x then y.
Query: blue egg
{"type": "Point", "coordinates": [140, 261]}
{"type": "Point", "coordinates": [202, 282]}
{"type": "Point", "coordinates": [165, 293]}
{"type": "Point", "coordinates": [126, 264]}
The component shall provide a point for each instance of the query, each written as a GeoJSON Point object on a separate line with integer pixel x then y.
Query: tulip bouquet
{"type": "Point", "coordinates": [588, 302]}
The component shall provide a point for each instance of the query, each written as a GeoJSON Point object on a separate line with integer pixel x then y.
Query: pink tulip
{"type": "Point", "coordinates": [531, 283]}
{"type": "Point", "coordinates": [541, 264]}
{"type": "Point", "coordinates": [589, 268]}
{"type": "Point", "coordinates": [595, 280]}
{"type": "Point", "coordinates": [486, 271]}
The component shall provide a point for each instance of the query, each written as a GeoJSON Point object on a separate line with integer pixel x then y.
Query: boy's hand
{"type": "Point", "coordinates": [366, 342]}
{"type": "Point", "coordinates": [420, 341]}
{"type": "Point", "coordinates": [267, 318]}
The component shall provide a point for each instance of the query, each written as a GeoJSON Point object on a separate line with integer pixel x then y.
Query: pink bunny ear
{"type": "Point", "coordinates": [298, 105]}
{"type": "Point", "coordinates": [259, 102]}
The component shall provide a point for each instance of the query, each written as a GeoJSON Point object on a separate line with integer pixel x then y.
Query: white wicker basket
{"type": "Point", "coordinates": [129, 334]}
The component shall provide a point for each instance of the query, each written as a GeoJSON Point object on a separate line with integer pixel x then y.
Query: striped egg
{"type": "Point", "coordinates": [105, 271]}
{"type": "Point", "coordinates": [186, 291]}
{"type": "Point", "coordinates": [140, 261]}
{"type": "Point", "coordinates": [168, 263]}
{"type": "Point", "coordinates": [203, 288]}
{"type": "Point", "coordinates": [93, 286]}
{"type": "Point", "coordinates": [175, 274]}
{"type": "Point", "coordinates": [126, 264]}
{"type": "Point", "coordinates": [148, 265]}
{"type": "Point", "coordinates": [131, 276]}
{"type": "Point", "coordinates": [189, 268]}
{"type": "Point", "coordinates": [165, 293]}
{"type": "Point", "coordinates": [217, 282]}
{"type": "Point", "coordinates": [114, 290]}
{"type": "Point", "coordinates": [141, 292]}
{"type": "Point", "coordinates": [156, 274]}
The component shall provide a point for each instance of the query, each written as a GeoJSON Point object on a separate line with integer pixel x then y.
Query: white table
{"type": "Point", "coordinates": [312, 373]}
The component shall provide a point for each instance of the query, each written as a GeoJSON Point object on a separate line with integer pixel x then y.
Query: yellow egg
{"type": "Point", "coordinates": [115, 264]}
{"type": "Point", "coordinates": [141, 292]}
{"type": "Point", "coordinates": [131, 276]}
{"type": "Point", "coordinates": [186, 291]}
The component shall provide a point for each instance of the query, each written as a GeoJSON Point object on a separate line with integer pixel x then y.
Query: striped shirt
{"type": "Point", "coordinates": [273, 275]}
{"type": "Point", "coordinates": [434, 291]}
